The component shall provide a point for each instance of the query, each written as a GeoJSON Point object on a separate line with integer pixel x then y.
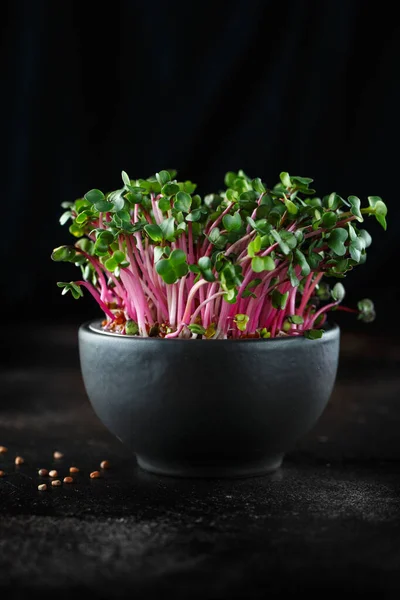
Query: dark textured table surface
{"type": "Point", "coordinates": [328, 521]}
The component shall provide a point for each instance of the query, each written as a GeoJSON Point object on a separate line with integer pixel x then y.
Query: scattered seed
{"type": "Point", "coordinates": [43, 472]}
{"type": "Point", "coordinates": [56, 483]}
{"type": "Point", "coordinates": [68, 480]}
{"type": "Point", "coordinates": [57, 455]}
{"type": "Point", "coordinates": [2, 474]}
{"type": "Point", "coordinates": [19, 460]}
{"type": "Point", "coordinates": [3, 449]}
{"type": "Point", "coordinates": [42, 487]}
{"type": "Point", "coordinates": [73, 470]}
{"type": "Point", "coordinates": [53, 473]}
{"type": "Point", "coordinates": [105, 464]}
{"type": "Point", "coordinates": [95, 475]}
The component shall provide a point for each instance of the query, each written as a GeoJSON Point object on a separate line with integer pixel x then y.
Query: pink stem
{"type": "Point", "coordinates": [96, 296]}
{"type": "Point", "coordinates": [206, 301]}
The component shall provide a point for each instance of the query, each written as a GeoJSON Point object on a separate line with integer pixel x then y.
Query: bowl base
{"type": "Point", "coordinates": [223, 471]}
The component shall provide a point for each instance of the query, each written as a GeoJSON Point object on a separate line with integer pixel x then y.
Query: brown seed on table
{"type": "Point", "coordinates": [2, 473]}
{"type": "Point", "coordinates": [105, 464]}
{"type": "Point", "coordinates": [42, 487]}
{"type": "Point", "coordinates": [68, 480]}
{"type": "Point", "coordinates": [57, 455]}
{"type": "Point", "coordinates": [56, 483]}
{"type": "Point", "coordinates": [3, 449]}
{"type": "Point", "coordinates": [53, 473]}
{"type": "Point", "coordinates": [73, 470]}
{"type": "Point", "coordinates": [19, 460]}
{"type": "Point", "coordinates": [43, 472]}
{"type": "Point", "coordinates": [95, 475]}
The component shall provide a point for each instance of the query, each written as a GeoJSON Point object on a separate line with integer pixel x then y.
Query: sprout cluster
{"type": "Point", "coordinates": [249, 261]}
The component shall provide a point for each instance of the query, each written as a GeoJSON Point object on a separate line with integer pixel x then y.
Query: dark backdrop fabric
{"type": "Point", "coordinates": [311, 87]}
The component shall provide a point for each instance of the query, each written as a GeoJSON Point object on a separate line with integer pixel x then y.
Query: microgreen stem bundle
{"type": "Point", "coordinates": [246, 262]}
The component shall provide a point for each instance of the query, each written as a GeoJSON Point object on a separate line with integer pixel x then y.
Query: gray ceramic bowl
{"type": "Point", "coordinates": [208, 408]}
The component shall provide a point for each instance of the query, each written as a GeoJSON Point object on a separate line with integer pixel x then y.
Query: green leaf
{"type": "Point", "coordinates": [258, 185]}
{"type": "Point", "coordinates": [119, 256]}
{"type": "Point", "coordinates": [111, 264]}
{"type": "Point", "coordinates": [313, 334]}
{"type": "Point", "coordinates": [338, 292]}
{"type": "Point", "coordinates": [86, 245]}
{"type": "Point", "coordinates": [134, 197]}
{"type": "Point", "coordinates": [125, 178]}
{"type": "Point", "coordinates": [204, 263]}
{"type": "Point", "coordinates": [291, 207]}
{"type": "Point", "coordinates": [183, 202]}
{"type": "Point", "coordinates": [65, 217]}
{"type": "Point", "coordinates": [163, 177]}
{"type": "Point", "coordinates": [94, 196]}
{"type": "Point", "coordinates": [104, 206]}
{"type": "Point", "coordinates": [355, 248]}
{"type": "Point", "coordinates": [282, 245]}
{"type": "Point", "coordinates": [355, 204]}
{"type": "Point", "coordinates": [117, 199]}
{"type": "Point", "coordinates": [177, 257]}
{"type": "Point", "coordinates": [195, 215]}
{"type": "Point", "coordinates": [254, 246]}
{"type": "Point", "coordinates": [105, 236]}
{"type": "Point", "coordinates": [264, 333]}
{"type": "Point", "coordinates": [329, 220]}
{"type": "Point", "coordinates": [197, 329]}
{"type": "Point", "coordinates": [83, 217]}
{"type": "Point", "coordinates": [210, 331]}
{"type": "Point", "coordinates": [232, 222]}
{"type": "Point", "coordinates": [300, 259]}
{"type": "Point", "coordinates": [170, 189]}
{"type": "Point", "coordinates": [181, 269]}
{"type": "Point", "coordinates": [72, 287]}
{"type": "Point", "coordinates": [332, 201]}
{"type": "Point", "coordinates": [381, 220]}
{"type": "Point", "coordinates": [279, 300]}
{"type": "Point", "coordinates": [154, 232]}
{"type": "Point", "coordinates": [367, 310]}
{"type": "Point", "coordinates": [352, 232]}
{"type": "Point", "coordinates": [131, 327]}
{"type": "Point", "coordinates": [365, 305]}
{"type": "Point", "coordinates": [158, 253]}
{"type": "Point", "coordinates": [365, 237]}
{"type": "Point", "coordinates": [166, 271]}
{"type": "Point", "coordinates": [100, 247]}
{"type": "Point", "coordinates": [63, 254]}
{"type": "Point", "coordinates": [75, 230]}
{"type": "Point", "coordinates": [68, 205]}
{"type": "Point", "coordinates": [241, 321]}
{"type": "Point", "coordinates": [295, 319]}
{"type": "Point", "coordinates": [292, 276]}
{"type": "Point", "coordinates": [168, 229]}
{"type": "Point", "coordinates": [380, 213]}
{"type": "Point", "coordinates": [372, 200]}
{"type": "Point", "coordinates": [323, 291]}
{"type": "Point", "coordinates": [303, 180]}
{"type": "Point", "coordinates": [248, 200]}
{"type": "Point", "coordinates": [285, 179]}
{"type": "Point", "coordinates": [164, 204]}
{"type": "Point", "coordinates": [262, 263]}
{"type": "Point", "coordinates": [230, 178]}
{"type": "Point", "coordinates": [289, 238]}
{"type": "Point", "coordinates": [336, 241]}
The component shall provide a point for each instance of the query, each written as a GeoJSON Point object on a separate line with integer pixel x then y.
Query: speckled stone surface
{"type": "Point", "coordinates": [328, 521]}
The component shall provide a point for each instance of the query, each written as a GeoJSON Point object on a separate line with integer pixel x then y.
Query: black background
{"type": "Point", "coordinates": [311, 87]}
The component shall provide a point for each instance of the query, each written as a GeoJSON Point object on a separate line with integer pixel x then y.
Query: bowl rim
{"type": "Point", "coordinates": [331, 332]}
